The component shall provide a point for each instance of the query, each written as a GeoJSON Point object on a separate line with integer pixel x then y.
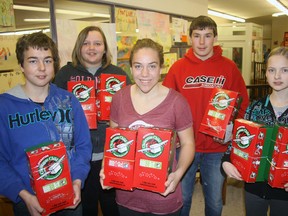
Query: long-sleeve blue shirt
{"type": "Point", "coordinates": [24, 124]}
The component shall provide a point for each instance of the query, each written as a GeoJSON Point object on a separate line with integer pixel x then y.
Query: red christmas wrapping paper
{"type": "Point", "coordinates": [248, 153]}
{"type": "Point", "coordinates": [154, 158]}
{"type": "Point", "coordinates": [220, 113]}
{"type": "Point", "coordinates": [50, 176]}
{"type": "Point", "coordinates": [278, 175]}
{"type": "Point", "coordinates": [119, 158]}
{"type": "Point", "coordinates": [86, 94]}
{"type": "Point", "coordinates": [107, 86]}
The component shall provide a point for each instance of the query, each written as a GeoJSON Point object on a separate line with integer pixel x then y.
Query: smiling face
{"type": "Point", "coordinates": [146, 69]}
{"type": "Point", "coordinates": [93, 49]}
{"type": "Point", "coordinates": [202, 42]}
{"type": "Point", "coordinates": [38, 67]}
{"type": "Point", "coordinates": [277, 72]}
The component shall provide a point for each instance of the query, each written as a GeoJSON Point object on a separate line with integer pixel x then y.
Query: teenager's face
{"type": "Point", "coordinates": [146, 69]}
{"type": "Point", "coordinates": [202, 43]}
{"type": "Point", "coordinates": [38, 67]}
{"type": "Point", "coordinates": [277, 72]}
{"type": "Point", "coordinates": [93, 49]}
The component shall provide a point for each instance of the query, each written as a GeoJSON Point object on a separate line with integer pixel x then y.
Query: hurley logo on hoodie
{"type": "Point", "coordinates": [38, 115]}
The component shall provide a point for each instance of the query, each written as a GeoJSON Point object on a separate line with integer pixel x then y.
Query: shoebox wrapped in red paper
{"type": "Point", "coordinates": [50, 176]}
{"type": "Point", "coordinates": [107, 86]}
{"type": "Point", "coordinates": [119, 157]}
{"type": "Point", "coordinates": [251, 149]}
{"type": "Point", "coordinates": [154, 158]}
{"type": "Point", "coordinates": [278, 175]}
{"type": "Point", "coordinates": [85, 92]}
{"type": "Point", "coordinates": [220, 113]}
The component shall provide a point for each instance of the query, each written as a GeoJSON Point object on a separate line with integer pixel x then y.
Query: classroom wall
{"type": "Point", "coordinates": [191, 8]}
{"type": "Point", "coordinates": [279, 26]}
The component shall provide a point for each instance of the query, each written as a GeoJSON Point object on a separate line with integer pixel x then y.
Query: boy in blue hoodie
{"type": "Point", "coordinates": [39, 112]}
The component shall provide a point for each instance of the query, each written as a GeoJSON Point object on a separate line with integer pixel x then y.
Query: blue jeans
{"type": "Point", "coordinates": [212, 183]}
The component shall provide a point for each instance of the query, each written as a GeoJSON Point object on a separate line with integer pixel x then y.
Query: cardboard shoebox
{"type": "Point", "coordinates": [86, 94]}
{"type": "Point", "coordinates": [278, 175]}
{"type": "Point", "coordinates": [154, 158]}
{"type": "Point", "coordinates": [220, 113]}
{"type": "Point", "coordinates": [119, 157]}
{"type": "Point", "coordinates": [107, 86]}
{"type": "Point", "coordinates": [251, 148]}
{"type": "Point", "coordinates": [50, 176]}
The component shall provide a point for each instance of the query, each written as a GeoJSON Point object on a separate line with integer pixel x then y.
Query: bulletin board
{"type": "Point", "coordinates": [136, 24]}
{"type": "Point", "coordinates": [10, 72]}
{"type": "Point", "coordinates": [7, 21]}
{"type": "Point", "coordinates": [9, 79]}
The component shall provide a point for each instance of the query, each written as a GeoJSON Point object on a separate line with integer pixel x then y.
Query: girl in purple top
{"type": "Point", "coordinates": [150, 104]}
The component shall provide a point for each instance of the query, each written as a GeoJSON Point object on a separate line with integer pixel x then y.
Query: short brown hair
{"type": "Point", "coordinates": [37, 40]}
{"type": "Point", "coordinates": [202, 22]}
{"type": "Point", "coordinates": [147, 43]}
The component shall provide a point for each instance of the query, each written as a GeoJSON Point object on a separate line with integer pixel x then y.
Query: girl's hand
{"type": "Point", "coordinates": [102, 177]}
{"type": "Point", "coordinates": [31, 202]}
{"type": "Point", "coordinates": [286, 187]}
{"type": "Point", "coordinates": [171, 183]}
{"type": "Point", "coordinates": [231, 171]}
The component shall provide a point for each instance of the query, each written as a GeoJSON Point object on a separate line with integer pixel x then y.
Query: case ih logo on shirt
{"type": "Point", "coordinates": [119, 145]}
{"type": "Point", "coordinates": [152, 145]}
{"type": "Point", "coordinates": [18, 120]}
{"type": "Point", "coordinates": [243, 137]}
{"type": "Point", "coordinates": [204, 82]}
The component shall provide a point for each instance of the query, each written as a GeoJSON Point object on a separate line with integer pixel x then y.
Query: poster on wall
{"type": "Point", "coordinates": [155, 26]}
{"type": "Point", "coordinates": [68, 30]}
{"type": "Point", "coordinates": [8, 59]}
{"type": "Point", "coordinates": [125, 20]}
{"type": "Point", "coordinates": [7, 20]}
{"type": "Point", "coordinates": [124, 64]}
{"type": "Point", "coordinates": [169, 59]}
{"type": "Point", "coordinates": [10, 79]}
{"type": "Point", "coordinates": [124, 45]}
{"type": "Point", "coordinates": [179, 30]}
{"type": "Point", "coordinates": [10, 72]}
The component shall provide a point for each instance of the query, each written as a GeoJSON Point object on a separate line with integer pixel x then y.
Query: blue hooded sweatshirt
{"type": "Point", "coordinates": [24, 124]}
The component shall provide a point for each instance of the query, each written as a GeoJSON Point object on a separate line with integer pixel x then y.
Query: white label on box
{"type": "Point", "coordinates": [54, 185]}
{"type": "Point", "coordinates": [150, 164]}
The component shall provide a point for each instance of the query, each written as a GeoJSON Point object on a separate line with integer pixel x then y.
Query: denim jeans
{"type": "Point", "coordinates": [212, 183]}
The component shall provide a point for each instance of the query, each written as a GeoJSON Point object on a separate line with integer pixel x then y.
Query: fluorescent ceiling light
{"type": "Point", "coordinates": [25, 32]}
{"type": "Point", "coordinates": [21, 7]}
{"type": "Point", "coordinates": [60, 11]}
{"type": "Point", "coordinates": [279, 6]}
{"type": "Point", "coordinates": [279, 14]}
{"type": "Point", "coordinates": [37, 20]}
{"type": "Point", "coordinates": [225, 16]}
